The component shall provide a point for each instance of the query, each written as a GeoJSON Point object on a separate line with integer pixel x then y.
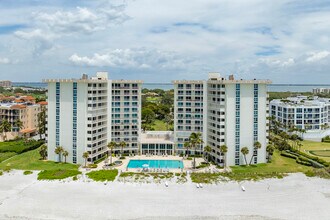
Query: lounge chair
{"type": "Point", "coordinates": [197, 185]}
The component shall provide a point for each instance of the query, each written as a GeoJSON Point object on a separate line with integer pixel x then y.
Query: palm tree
{"type": "Point", "coordinates": [65, 154]}
{"type": "Point", "coordinates": [111, 145]}
{"type": "Point", "coordinates": [224, 149]}
{"type": "Point", "coordinates": [256, 146]}
{"type": "Point", "coordinates": [59, 150]}
{"type": "Point", "coordinates": [18, 124]}
{"type": "Point", "coordinates": [270, 150]}
{"type": "Point", "coordinates": [195, 140]}
{"type": "Point", "coordinates": [85, 156]}
{"type": "Point", "coordinates": [43, 151]}
{"type": "Point", "coordinates": [245, 151]}
{"type": "Point", "coordinates": [186, 146]}
{"type": "Point", "coordinates": [207, 150]}
{"type": "Point", "coordinates": [5, 127]}
{"type": "Point", "coordinates": [122, 145]}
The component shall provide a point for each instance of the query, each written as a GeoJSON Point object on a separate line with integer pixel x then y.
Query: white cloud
{"type": "Point", "coordinates": [82, 20]}
{"type": "Point", "coordinates": [4, 60]}
{"type": "Point", "coordinates": [132, 58]}
{"type": "Point", "coordinates": [316, 56]}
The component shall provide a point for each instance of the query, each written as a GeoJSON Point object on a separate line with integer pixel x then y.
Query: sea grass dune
{"type": "Point", "coordinates": [294, 197]}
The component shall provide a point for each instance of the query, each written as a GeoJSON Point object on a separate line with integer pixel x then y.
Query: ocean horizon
{"type": "Point", "coordinates": [167, 86]}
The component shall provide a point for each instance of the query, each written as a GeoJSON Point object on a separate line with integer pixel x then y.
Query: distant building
{"type": "Point", "coordinates": [310, 114]}
{"type": "Point", "coordinates": [5, 83]}
{"type": "Point", "coordinates": [22, 109]}
{"type": "Point", "coordinates": [321, 90]}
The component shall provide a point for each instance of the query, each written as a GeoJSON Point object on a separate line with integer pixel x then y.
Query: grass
{"type": "Point", "coordinates": [103, 175]}
{"type": "Point", "coordinates": [312, 146]}
{"type": "Point", "coordinates": [159, 125]}
{"type": "Point", "coordinates": [7, 155]}
{"type": "Point", "coordinates": [27, 172]}
{"type": "Point", "coordinates": [31, 161]}
{"type": "Point", "coordinates": [57, 174]}
{"type": "Point", "coordinates": [19, 146]}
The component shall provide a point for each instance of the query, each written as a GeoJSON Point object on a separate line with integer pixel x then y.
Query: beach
{"type": "Point", "coordinates": [294, 197]}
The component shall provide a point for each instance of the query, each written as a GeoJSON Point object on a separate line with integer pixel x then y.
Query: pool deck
{"type": "Point", "coordinates": [187, 164]}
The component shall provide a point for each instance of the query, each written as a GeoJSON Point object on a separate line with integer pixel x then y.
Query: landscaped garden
{"type": "Point", "coordinates": [320, 149]}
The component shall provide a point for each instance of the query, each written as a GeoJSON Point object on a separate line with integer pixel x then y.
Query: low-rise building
{"type": "Point", "coordinates": [310, 114]}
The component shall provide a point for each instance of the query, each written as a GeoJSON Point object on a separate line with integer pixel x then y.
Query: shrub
{"type": "Point", "coordinates": [19, 146]}
{"type": "Point", "coordinates": [189, 158]}
{"type": "Point", "coordinates": [100, 159]}
{"type": "Point", "coordinates": [1, 173]}
{"type": "Point", "coordinates": [103, 175]}
{"type": "Point", "coordinates": [75, 178]}
{"type": "Point", "coordinates": [7, 168]}
{"type": "Point", "coordinates": [57, 174]}
{"type": "Point", "coordinates": [122, 158]}
{"type": "Point", "coordinates": [92, 165]}
{"type": "Point", "coordinates": [27, 172]}
{"type": "Point", "coordinates": [326, 139]}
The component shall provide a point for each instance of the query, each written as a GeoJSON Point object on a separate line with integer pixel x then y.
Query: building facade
{"type": "Point", "coordinates": [126, 114]}
{"type": "Point", "coordinates": [189, 112]}
{"type": "Point", "coordinates": [310, 114]}
{"type": "Point", "coordinates": [229, 112]}
{"type": "Point", "coordinates": [86, 114]}
{"type": "Point", "coordinates": [20, 109]}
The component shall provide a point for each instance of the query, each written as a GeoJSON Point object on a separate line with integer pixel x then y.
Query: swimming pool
{"type": "Point", "coordinates": [170, 164]}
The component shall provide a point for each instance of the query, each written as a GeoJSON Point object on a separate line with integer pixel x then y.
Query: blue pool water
{"type": "Point", "coordinates": [170, 164]}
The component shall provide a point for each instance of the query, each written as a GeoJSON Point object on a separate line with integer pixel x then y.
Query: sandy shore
{"type": "Point", "coordinates": [294, 197]}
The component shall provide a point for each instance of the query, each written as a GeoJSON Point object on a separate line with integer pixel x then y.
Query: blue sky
{"type": "Point", "coordinates": [287, 41]}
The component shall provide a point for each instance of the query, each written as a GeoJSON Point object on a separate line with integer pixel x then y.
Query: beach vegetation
{"type": "Point", "coordinates": [57, 174]}
{"type": "Point", "coordinates": [27, 172]}
{"type": "Point", "coordinates": [103, 175]}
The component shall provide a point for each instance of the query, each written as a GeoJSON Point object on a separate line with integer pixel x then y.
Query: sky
{"type": "Point", "coordinates": [286, 41]}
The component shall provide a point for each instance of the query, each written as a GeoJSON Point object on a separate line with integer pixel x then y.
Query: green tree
{"type": "Point", "coordinates": [18, 124]}
{"type": "Point", "coordinates": [42, 122]}
{"type": "Point", "coordinates": [207, 151]}
{"type": "Point", "coordinates": [224, 150]}
{"type": "Point", "coordinates": [59, 150]}
{"type": "Point", "coordinates": [111, 145]}
{"type": "Point", "coordinates": [195, 140]}
{"type": "Point", "coordinates": [270, 150]}
{"type": "Point", "coordinates": [5, 127]}
{"type": "Point", "coordinates": [186, 145]}
{"type": "Point", "coordinates": [65, 154]}
{"type": "Point", "coordinates": [43, 151]}
{"type": "Point", "coordinates": [85, 156]}
{"type": "Point", "coordinates": [245, 151]}
{"type": "Point", "coordinates": [256, 147]}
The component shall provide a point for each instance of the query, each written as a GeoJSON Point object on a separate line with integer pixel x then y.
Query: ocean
{"type": "Point", "coordinates": [168, 86]}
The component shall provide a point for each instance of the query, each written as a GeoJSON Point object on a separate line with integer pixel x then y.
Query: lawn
{"type": "Point", "coordinates": [31, 161]}
{"type": "Point", "coordinates": [159, 125]}
{"type": "Point", "coordinates": [5, 156]}
{"type": "Point", "coordinates": [316, 146]}
{"type": "Point", "coordinates": [19, 146]}
{"type": "Point", "coordinates": [57, 174]}
{"type": "Point", "coordinates": [103, 175]}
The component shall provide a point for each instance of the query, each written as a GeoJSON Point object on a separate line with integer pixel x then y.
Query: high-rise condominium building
{"type": "Point", "coordinates": [227, 112]}
{"type": "Point", "coordinates": [86, 114]}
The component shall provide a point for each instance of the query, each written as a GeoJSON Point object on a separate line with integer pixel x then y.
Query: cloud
{"type": "Point", "coordinates": [4, 60]}
{"type": "Point", "coordinates": [82, 20]}
{"type": "Point", "coordinates": [132, 58]}
{"type": "Point", "coordinates": [316, 56]}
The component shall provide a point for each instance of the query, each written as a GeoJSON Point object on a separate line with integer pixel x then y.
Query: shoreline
{"type": "Point", "coordinates": [24, 197]}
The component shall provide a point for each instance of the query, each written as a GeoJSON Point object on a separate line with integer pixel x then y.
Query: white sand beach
{"type": "Point", "coordinates": [294, 197]}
